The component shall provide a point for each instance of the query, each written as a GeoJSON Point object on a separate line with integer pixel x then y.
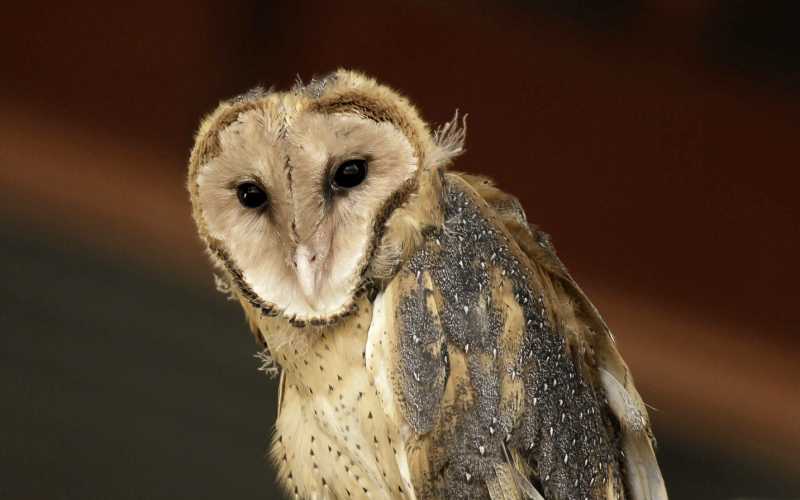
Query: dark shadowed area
{"type": "Point", "coordinates": [655, 141]}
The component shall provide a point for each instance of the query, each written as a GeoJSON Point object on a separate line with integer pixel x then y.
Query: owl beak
{"type": "Point", "coordinates": [306, 266]}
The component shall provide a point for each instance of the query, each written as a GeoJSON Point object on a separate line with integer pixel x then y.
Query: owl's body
{"type": "Point", "coordinates": [431, 344]}
{"type": "Point", "coordinates": [332, 437]}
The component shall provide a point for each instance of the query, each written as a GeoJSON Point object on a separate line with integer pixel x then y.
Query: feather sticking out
{"type": "Point", "coordinates": [223, 286]}
{"type": "Point", "coordinates": [643, 474]}
{"type": "Point", "coordinates": [267, 363]}
{"type": "Point", "coordinates": [509, 484]}
{"type": "Point", "coordinates": [253, 94]}
{"type": "Point", "coordinates": [299, 84]}
{"type": "Point", "coordinates": [448, 141]}
{"type": "Point", "coordinates": [526, 488]}
{"type": "Point", "coordinates": [502, 485]}
{"type": "Point", "coordinates": [625, 407]}
{"type": "Point", "coordinates": [315, 88]}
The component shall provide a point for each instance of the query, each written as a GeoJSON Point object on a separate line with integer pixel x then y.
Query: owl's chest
{"type": "Point", "coordinates": [333, 439]}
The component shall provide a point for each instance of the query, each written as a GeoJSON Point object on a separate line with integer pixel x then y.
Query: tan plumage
{"type": "Point", "coordinates": [430, 342]}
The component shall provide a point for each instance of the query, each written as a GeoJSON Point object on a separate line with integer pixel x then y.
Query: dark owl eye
{"type": "Point", "coordinates": [350, 174]}
{"type": "Point", "coordinates": [251, 195]}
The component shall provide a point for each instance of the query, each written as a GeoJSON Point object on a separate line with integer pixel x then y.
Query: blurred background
{"type": "Point", "coordinates": [655, 140]}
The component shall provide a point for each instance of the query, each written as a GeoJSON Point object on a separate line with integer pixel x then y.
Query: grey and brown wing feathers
{"type": "Point", "coordinates": [494, 382]}
{"type": "Point", "coordinates": [642, 474]}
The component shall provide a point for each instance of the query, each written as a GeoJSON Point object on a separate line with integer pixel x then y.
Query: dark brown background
{"type": "Point", "coordinates": [655, 140]}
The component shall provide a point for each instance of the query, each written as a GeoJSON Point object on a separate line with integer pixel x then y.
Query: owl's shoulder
{"type": "Point", "coordinates": [485, 305]}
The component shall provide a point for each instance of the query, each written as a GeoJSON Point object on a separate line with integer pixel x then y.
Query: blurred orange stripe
{"type": "Point", "coordinates": [126, 200]}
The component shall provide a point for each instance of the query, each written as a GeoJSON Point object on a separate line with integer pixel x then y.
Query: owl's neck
{"type": "Point", "coordinates": [305, 351]}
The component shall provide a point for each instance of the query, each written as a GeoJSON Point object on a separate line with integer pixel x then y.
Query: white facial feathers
{"type": "Point", "coordinates": [305, 251]}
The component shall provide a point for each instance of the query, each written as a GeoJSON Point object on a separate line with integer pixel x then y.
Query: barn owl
{"type": "Point", "coordinates": [430, 343]}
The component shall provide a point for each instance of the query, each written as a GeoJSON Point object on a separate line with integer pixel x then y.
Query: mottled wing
{"type": "Point", "coordinates": [642, 473]}
{"type": "Point", "coordinates": [493, 392]}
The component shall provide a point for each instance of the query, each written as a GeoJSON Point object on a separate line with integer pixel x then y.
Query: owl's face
{"type": "Point", "coordinates": [295, 191]}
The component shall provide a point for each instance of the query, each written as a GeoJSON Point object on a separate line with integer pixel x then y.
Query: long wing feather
{"type": "Point", "coordinates": [642, 473]}
{"type": "Point", "coordinates": [503, 485]}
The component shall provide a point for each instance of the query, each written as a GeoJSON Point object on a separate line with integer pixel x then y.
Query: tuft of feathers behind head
{"type": "Point", "coordinates": [448, 141]}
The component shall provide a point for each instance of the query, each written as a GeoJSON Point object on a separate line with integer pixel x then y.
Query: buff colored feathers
{"type": "Point", "coordinates": [430, 342]}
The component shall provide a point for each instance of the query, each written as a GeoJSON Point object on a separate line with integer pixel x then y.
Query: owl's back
{"type": "Point", "coordinates": [497, 365]}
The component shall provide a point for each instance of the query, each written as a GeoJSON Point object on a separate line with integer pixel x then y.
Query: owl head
{"type": "Point", "coordinates": [296, 193]}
